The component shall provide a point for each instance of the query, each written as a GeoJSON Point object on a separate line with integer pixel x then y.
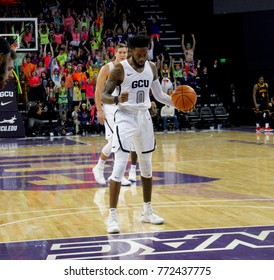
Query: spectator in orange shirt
{"type": "Point", "coordinates": [81, 77]}
{"type": "Point", "coordinates": [68, 75]}
{"type": "Point", "coordinates": [27, 65]}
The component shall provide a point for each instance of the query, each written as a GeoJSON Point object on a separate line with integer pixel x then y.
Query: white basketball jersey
{"type": "Point", "coordinates": [138, 87]}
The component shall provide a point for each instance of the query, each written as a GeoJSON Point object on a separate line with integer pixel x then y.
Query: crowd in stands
{"type": "Point", "coordinates": [74, 42]}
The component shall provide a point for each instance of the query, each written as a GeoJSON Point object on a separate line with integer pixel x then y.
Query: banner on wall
{"type": "Point", "coordinates": [11, 120]}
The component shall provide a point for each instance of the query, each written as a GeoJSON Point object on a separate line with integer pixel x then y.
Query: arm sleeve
{"type": "Point", "coordinates": [159, 94]}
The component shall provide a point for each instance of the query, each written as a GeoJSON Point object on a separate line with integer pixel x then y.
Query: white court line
{"type": "Point", "coordinates": [158, 204]}
{"type": "Point", "coordinates": [130, 207]}
{"type": "Point", "coordinates": [193, 138]}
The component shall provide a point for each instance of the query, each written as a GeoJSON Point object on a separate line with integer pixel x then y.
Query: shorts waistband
{"type": "Point", "coordinates": [132, 111]}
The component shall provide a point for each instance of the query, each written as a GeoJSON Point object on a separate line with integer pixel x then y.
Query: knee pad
{"type": "Point", "coordinates": [145, 163]}
{"type": "Point", "coordinates": [107, 148]}
{"type": "Point", "coordinates": [120, 164]}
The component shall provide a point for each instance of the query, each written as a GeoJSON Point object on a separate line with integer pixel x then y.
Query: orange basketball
{"type": "Point", "coordinates": [184, 98]}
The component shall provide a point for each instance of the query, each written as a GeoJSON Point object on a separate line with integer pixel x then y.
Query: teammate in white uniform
{"type": "Point", "coordinates": [106, 117]}
{"type": "Point", "coordinates": [136, 76]}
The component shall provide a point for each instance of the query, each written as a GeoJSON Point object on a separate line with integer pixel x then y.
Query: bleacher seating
{"type": "Point", "coordinates": [194, 118]}
{"type": "Point", "coordinates": [221, 116]}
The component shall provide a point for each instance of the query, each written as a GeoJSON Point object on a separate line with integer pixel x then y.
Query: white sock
{"type": "Point", "coordinates": [133, 167]}
{"type": "Point", "coordinates": [101, 163]}
{"type": "Point", "coordinates": [111, 210]}
{"type": "Point", "coordinates": [147, 205]}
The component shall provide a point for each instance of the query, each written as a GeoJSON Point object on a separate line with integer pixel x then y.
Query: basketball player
{"type": "Point", "coordinates": [261, 103]}
{"type": "Point", "coordinates": [106, 116]}
{"type": "Point", "coordinates": [137, 77]}
{"type": "Point", "coordinates": [6, 63]}
{"type": "Point", "coordinates": [13, 56]}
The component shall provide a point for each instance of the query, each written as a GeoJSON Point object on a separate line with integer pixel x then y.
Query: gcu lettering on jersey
{"type": "Point", "coordinates": [140, 83]}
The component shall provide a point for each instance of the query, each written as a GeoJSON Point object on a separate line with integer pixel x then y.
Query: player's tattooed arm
{"type": "Point", "coordinates": [115, 78]}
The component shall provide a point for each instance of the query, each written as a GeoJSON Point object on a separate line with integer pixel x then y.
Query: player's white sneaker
{"type": "Point", "coordinates": [99, 175]}
{"type": "Point", "coordinates": [148, 216]}
{"type": "Point", "coordinates": [112, 223]}
{"type": "Point", "coordinates": [125, 182]}
{"type": "Point", "coordinates": [132, 176]}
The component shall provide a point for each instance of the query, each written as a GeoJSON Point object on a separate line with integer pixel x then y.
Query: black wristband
{"type": "Point", "coordinates": [116, 100]}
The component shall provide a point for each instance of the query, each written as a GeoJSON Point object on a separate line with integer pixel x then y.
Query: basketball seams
{"type": "Point", "coordinates": [184, 98]}
{"type": "Point", "coordinates": [178, 99]}
{"type": "Point", "coordinates": [182, 101]}
{"type": "Point", "coordinates": [190, 100]}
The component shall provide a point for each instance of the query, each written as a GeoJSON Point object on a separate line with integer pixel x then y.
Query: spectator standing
{"type": "Point", "coordinates": [77, 96]}
{"type": "Point", "coordinates": [81, 77]}
{"type": "Point", "coordinates": [35, 90]}
{"type": "Point", "coordinates": [154, 23]}
{"type": "Point", "coordinates": [75, 118]}
{"type": "Point", "coordinates": [44, 34]}
{"type": "Point", "coordinates": [27, 65]}
{"type": "Point", "coordinates": [68, 76]}
{"type": "Point", "coordinates": [90, 89]}
{"type": "Point", "coordinates": [51, 99]}
{"type": "Point", "coordinates": [62, 98]}
{"type": "Point", "coordinates": [48, 56]}
{"type": "Point", "coordinates": [189, 49]}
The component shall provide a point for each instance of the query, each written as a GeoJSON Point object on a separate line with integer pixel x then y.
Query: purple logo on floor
{"type": "Point", "coordinates": [245, 243]}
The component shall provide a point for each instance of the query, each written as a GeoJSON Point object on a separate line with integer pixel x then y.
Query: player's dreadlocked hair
{"type": "Point", "coordinates": [138, 41]}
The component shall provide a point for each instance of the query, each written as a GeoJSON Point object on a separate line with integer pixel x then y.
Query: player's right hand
{"type": "Point", "coordinates": [123, 97]}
